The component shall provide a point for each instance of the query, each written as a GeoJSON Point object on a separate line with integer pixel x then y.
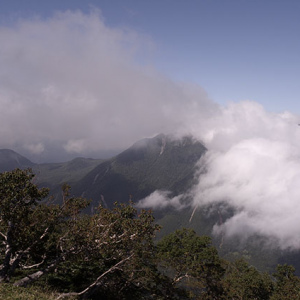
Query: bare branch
{"type": "Point", "coordinates": [3, 235]}
{"type": "Point", "coordinates": [96, 281]}
{"type": "Point", "coordinates": [35, 265]}
{"type": "Point", "coordinates": [180, 278]}
{"type": "Point", "coordinates": [35, 276]}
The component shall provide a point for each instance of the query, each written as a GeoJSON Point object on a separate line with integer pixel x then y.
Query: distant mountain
{"type": "Point", "coordinates": [54, 175]}
{"type": "Point", "coordinates": [159, 163]}
{"type": "Point", "coordinates": [10, 160]}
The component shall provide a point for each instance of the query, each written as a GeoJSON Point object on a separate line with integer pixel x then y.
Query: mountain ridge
{"type": "Point", "coordinates": [150, 164]}
{"type": "Point", "coordinates": [10, 160]}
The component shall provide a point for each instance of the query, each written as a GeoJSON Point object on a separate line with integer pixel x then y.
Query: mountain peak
{"type": "Point", "coordinates": [10, 160]}
{"type": "Point", "coordinates": [157, 163]}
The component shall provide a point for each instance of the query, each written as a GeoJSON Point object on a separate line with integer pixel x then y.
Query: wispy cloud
{"type": "Point", "coordinates": [160, 200]}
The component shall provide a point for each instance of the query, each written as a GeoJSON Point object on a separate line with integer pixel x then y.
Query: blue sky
{"type": "Point", "coordinates": [235, 49]}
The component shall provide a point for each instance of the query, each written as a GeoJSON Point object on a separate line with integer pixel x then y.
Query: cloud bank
{"type": "Point", "coordinates": [70, 85]}
{"type": "Point", "coordinates": [254, 166]}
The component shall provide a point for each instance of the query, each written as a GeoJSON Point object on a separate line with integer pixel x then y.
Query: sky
{"type": "Point", "coordinates": [235, 49]}
{"type": "Point", "coordinates": [90, 78]}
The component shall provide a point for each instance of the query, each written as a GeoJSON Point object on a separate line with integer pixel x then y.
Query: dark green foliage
{"type": "Point", "coordinates": [287, 285]}
{"type": "Point", "coordinates": [245, 282]}
{"type": "Point", "coordinates": [110, 254]}
{"type": "Point", "coordinates": [112, 249]}
{"type": "Point", "coordinates": [19, 212]}
{"type": "Point", "coordinates": [192, 260]}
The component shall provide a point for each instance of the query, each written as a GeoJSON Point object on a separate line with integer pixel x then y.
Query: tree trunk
{"type": "Point", "coordinates": [35, 276]}
{"type": "Point", "coordinates": [8, 252]}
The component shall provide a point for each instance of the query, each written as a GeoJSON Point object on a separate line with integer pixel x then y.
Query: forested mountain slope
{"type": "Point", "coordinates": [159, 163]}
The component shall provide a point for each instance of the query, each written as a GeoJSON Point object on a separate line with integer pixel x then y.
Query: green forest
{"type": "Point", "coordinates": [57, 251]}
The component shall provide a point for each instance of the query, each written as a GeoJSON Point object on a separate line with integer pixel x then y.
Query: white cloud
{"type": "Point", "coordinates": [75, 146]}
{"type": "Point", "coordinates": [160, 200]}
{"type": "Point", "coordinates": [254, 165]}
{"type": "Point", "coordinates": [71, 78]}
{"type": "Point", "coordinates": [35, 148]}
